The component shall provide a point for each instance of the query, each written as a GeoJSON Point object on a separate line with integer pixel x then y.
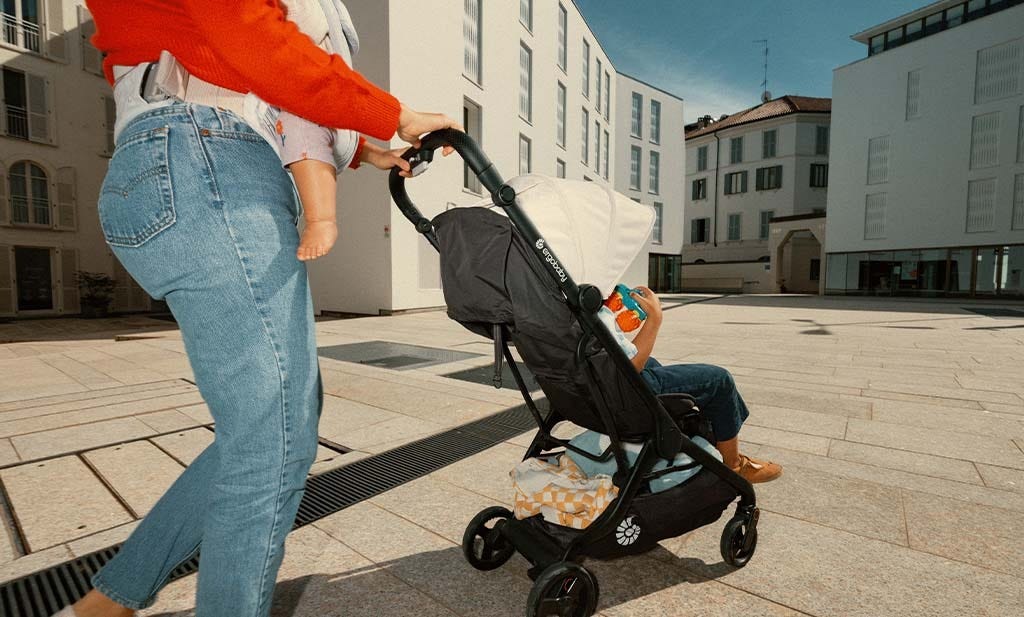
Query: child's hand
{"type": "Point", "coordinates": [650, 303]}
{"type": "Point", "coordinates": [385, 159]}
{"type": "Point", "coordinates": [317, 239]}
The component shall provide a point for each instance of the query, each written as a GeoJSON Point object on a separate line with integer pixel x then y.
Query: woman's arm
{"type": "Point", "coordinates": [644, 340]}
{"type": "Point", "coordinates": [254, 40]}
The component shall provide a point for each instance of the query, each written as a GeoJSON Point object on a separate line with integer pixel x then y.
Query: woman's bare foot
{"type": "Point", "coordinates": [95, 604]}
{"type": "Point", "coordinates": [317, 239]}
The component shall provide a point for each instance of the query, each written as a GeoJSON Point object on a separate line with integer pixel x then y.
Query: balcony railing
{"type": "Point", "coordinates": [20, 33]}
{"type": "Point", "coordinates": [17, 122]}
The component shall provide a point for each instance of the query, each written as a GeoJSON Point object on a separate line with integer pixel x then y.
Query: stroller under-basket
{"type": "Point", "coordinates": [501, 279]}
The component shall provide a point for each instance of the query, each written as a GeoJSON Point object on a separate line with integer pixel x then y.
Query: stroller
{"type": "Point", "coordinates": [502, 280]}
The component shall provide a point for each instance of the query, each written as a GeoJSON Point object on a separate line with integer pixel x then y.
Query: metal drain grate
{"type": "Point", "coordinates": [994, 311]}
{"type": "Point", "coordinates": [398, 356]}
{"type": "Point", "coordinates": [44, 593]}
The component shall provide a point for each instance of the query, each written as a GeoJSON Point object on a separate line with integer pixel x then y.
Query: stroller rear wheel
{"type": "Point", "coordinates": [734, 537]}
{"type": "Point", "coordinates": [564, 589]}
{"type": "Point", "coordinates": [482, 544]}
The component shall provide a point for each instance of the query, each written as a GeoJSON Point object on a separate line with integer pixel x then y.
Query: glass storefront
{"type": "Point", "coordinates": [980, 271]}
{"type": "Point", "coordinates": [664, 274]}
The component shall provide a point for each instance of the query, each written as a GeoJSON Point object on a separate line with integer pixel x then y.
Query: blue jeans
{"type": "Point", "coordinates": [197, 207]}
{"type": "Point", "coordinates": [712, 386]}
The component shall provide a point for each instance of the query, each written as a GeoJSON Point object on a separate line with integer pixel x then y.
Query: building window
{"type": "Point", "coordinates": [472, 119]}
{"type": "Point", "coordinates": [525, 156]}
{"type": "Point", "coordinates": [658, 213]}
{"type": "Point", "coordinates": [768, 143]}
{"type": "Point", "coordinates": [1020, 135]}
{"type": "Point", "coordinates": [653, 184]}
{"type": "Point", "coordinates": [815, 269]}
{"type": "Point", "coordinates": [634, 167]}
{"type": "Point", "coordinates": [525, 82]}
{"type": "Point", "coordinates": [765, 224]}
{"type": "Point", "coordinates": [735, 183]}
{"type": "Point", "coordinates": [563, 37]}
{"type": "Point", "coordinates": [586, 69]}
{"type": "Point", "coordinates": [607, 96]}
{"type": "Point", "coordinates": [997, 75]}
{"type": "Point", "coordinates": [768, 178]}
{"type": "Point", "coordinates": [699, 231]}
{"type": "Point", "coordinates": [471, 37]}
{"type": "Point", "coordinates": [92, 59]}
{"type": "Point", "coordinates": [597, 147]}
{"type": "Point", "coordinates": [560, 116]}
{"type": "Point", "coordinates": [1018, 202]}
{"type": "Point", "coordinates": [981, 205]}
{"type": "Point", "coordinates": [559, 168]}
{"type": "Point", "coordinates": [878, 160]}
{"type": "Point", "coordinates": [656, 122]}
{"type": "Point", "coordinates": [526, 13]}
{"type": "Point", "coordinates": [21, 24]}
{"type": "Point", "coordinates": [736, 150]}
{"type": "Point", "coordinates": [585, 153]}
{"type": "Point", "coordinates": [819, 175]}
{"type": "Point", "coordinates": [874, 216]}
{"type": "Point", "coordinates": [821, 136]}
{"type": "Point", "coordinates": [985, 140]}
{"type": "Point", "coordinates": [604, 154]}
{"type": "Point", "coordinates": [636, 115]}
{"type": "Point", "coordinates": [699, 189]}
{"type": "Point", "coordinates": [735, 222]}
{"type": "Point", "coordinates": [876, 45]}
{"type": "Point", "coordinates": [30, 194]}
{"type": "Point", "coordinates": [702, 158]}
{"type": "Point", "coordinates": [914, 94]}
{"type": "Point", "coordinates": [27, 111]}
{"type": "Point", "coordinates": [598, 98]}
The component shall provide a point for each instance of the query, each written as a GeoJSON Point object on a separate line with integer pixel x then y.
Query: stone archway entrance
{"type": "Point", "coordinates": [798, 253]}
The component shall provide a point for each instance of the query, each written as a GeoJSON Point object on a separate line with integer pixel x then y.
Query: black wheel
{"type": "Point", "coordinates": [564, 589]}
{"type": "Point", "coordinates": [733, 537]}
{"type": "Point", "coordinates": [482, 544]}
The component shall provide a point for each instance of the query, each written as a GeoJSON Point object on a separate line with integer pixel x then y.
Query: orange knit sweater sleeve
{"type": "Point", "coordinates": [274, 60]}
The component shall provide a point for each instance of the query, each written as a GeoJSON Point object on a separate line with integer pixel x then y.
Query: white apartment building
{"type": "Point", "coordinates": [927, 186]}
{"type": "Point", "coordinates": [744, 171]}
{"type": "Point", "coordinates": [651, 153]}
{"type": "Point", "coordinates": [56, 137]}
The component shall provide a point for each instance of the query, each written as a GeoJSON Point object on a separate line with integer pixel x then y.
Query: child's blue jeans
{"type": "Point", "coordinates": [197, 208]}
{"type": "Point", "coordinates": [712, 386]}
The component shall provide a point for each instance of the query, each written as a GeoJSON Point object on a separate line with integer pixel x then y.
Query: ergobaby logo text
{"type": "Point", "coordinates": [548, 257]}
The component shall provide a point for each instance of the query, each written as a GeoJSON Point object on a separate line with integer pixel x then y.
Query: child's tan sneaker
{"type": "Point", "coordinates": [757, 471]}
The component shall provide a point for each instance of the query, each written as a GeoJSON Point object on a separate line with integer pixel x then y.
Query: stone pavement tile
{"type": "Point", "coordinates": [990, 383]}
{"type": "Point", "coordinates": [745, 380]}
{"type": "Point", "coordinates": [200, 413]}
{"type": "Point", "coordinates": [486, 473]}
{"type": "Point", "coordinates": [823, 571]}
{"type": "Point", "coordinates": [821, 402]}
{"type": "Point", "coordinates": [913, 462]}
{"type": "Point", "coordinates": [1017, 410]}
{"type": "Point", "coordinates": [909, 387]}
{"type": "Point", "coordinates": [842, 381]}
{"type": "Point", "coordinates": [338, 460]}
{"type": "Point", "coordinates": [78, 438]}
{"type": "Point", "coordinates": [9, 393]}
{"type": "Point", "coordinates": [864, 508]}
{"type": "Point", "coordinates": [373, 438]}
{"type": "Point", "coordinates": [645, 587]}
{"type": "Point", "coordinates": [168, 420]}
{"type": "Point", "coordinates": [809, 422]}
{"type": "Point", "coordinates": [870, 395]}
{"type": "Point", "coordinates": [59, 500]}
{"type": "Point", "coordinates": [341, 417]}
{"type": "Point", "coordinates": [784, 439]}
{"type": "Point", "coordinates": [948, 418]}
{"type": "Point", "coordinates": [32, 420]}
{"type": "Point", "coordinates": [102, 540]}
{"type": "Point", "coordinates": [138, 472]}
{"type": "Point", "coordinates": [34, 562]}
{"type": "Point", "coordinates": [82, 373]}
{"type": "Point", "coordinates": [1002, 477]}
{"type": "Point", "coordinates": [186, 445]}
{"type": "Point", "coordinates": [379, 535]}
{"type": "Point", "coordinates": [436, 505]}
{"type": "Point", "coordinates": [891, 477]}
{"type": "Point", "coordinates": [977, 448]}
{"type": "Point", "coordinates": [7, 453]}
{"type": "Point", "coordinates": [95, 398]}
{"type": "Point", "coordinates": [981, 535]}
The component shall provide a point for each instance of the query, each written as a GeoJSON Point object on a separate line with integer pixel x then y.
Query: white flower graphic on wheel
{"type": "Point", "coordinates": [628, 531]}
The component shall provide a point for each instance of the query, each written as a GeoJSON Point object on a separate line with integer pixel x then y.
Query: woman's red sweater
{"type": "Point", "coordinates": [246, 46]}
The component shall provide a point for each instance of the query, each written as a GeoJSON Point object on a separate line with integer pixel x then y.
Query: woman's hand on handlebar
{"type": "Point", "coordinates": [413, 124]}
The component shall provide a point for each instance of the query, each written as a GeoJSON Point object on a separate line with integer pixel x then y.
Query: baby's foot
{"type": "Point", "coordinates": [317, 239]}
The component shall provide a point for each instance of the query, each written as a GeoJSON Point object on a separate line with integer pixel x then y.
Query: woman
{"type": "Point", "coordinates": [198, 209]}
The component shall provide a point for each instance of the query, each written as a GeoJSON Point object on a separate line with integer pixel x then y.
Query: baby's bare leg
{"type": "Point", "coordinates": [317, 184]}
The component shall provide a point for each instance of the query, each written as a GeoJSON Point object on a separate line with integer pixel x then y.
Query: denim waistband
{"type": "Point", "coordinates": [201, 115]}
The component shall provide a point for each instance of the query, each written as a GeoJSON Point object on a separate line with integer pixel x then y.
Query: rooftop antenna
{"type": "Point", "coordinates": [765, 94]}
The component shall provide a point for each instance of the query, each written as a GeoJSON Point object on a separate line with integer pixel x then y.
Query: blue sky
{"type": "Point", "coordinates": [705, 51]}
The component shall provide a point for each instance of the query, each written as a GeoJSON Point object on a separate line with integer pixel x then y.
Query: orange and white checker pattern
{"type": "Point", "coordinates": [560, 492]}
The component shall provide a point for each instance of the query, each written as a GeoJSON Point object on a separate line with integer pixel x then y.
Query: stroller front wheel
{"type": "Point", "coordinates": [483, 546]}
{"type": "Point", "coordinates": [734, 536]}
{"type": "Point", "coordinates": [564, 589]}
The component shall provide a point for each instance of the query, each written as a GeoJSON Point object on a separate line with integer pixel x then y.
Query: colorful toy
{"type": "Point", "coordinates": [628, 314]}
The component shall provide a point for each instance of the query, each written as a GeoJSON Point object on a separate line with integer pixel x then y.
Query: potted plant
{"type": "Point", "coordinates": [97, 292]}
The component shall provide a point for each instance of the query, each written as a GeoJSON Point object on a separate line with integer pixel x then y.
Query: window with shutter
{"type": "Point", "coordinates": [69, 281]}
{"type": "Point", "coordinates": [985, 140]}
{"type": "Point", "coordinates": [981, 205]}
{"type": "Point", "coordinates": [6, 280]}
{"type": "Point", "coordinates": [4, 206]}
{"type": "Point", "coordinates": [66, 198]}
{"type": "Point", "coordinates": [471, 40]}
{"type": "Point", "coordinates": [878, 160]}
{"type": "Point", "coordinates": [110, 118]}
{"type": "Point", "coordinates": [1018, 202]}
{"type": "Point", "coordinates": [56, 47]}
{"type": "Point", "coordinates": [92, 59]}
{"type": "Point", "coordinates": [38, 108]}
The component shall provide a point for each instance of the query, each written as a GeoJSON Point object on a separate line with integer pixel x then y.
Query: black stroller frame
{"type": "Point", "coordinates": [562, 586]}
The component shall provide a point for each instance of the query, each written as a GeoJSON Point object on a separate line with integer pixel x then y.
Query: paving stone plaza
{"type": "Point", "coordinates": [900, 425]}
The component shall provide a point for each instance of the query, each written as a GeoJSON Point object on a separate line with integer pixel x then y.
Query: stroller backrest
{"type": "Point", "coordinates": [490, 276]}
